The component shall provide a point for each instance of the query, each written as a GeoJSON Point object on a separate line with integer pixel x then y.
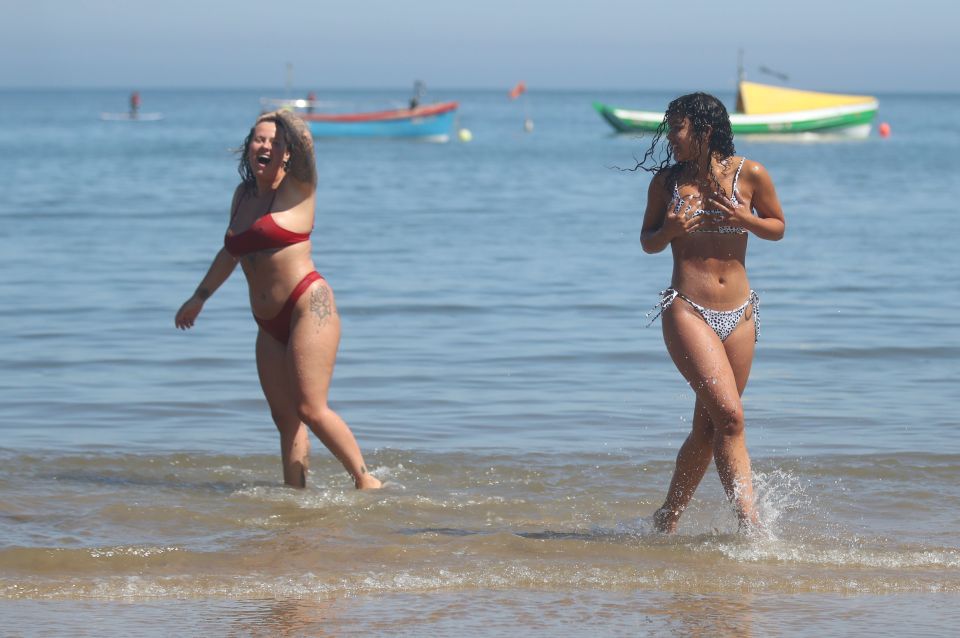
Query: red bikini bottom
{"type": "Point", "coordinates": [279, 326]}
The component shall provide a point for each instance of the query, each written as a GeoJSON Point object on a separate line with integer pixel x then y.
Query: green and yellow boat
{"type": "Point", "coordinates": [767, 110]}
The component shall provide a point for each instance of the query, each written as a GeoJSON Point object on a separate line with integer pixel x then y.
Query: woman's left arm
{"type": "Point", "coordinates": [769, 222]}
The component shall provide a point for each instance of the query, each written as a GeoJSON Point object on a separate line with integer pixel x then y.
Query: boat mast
{"type": "Point", "coordinates": [739, 106]}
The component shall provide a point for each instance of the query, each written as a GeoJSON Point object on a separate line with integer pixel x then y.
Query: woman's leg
{"type": "Point", "coordinates": [730, 445]}
{"type": "Point", "coordinates": [718, 372]}
{"type": "Point", "coordinates": [311, 354]}
{"type": "Point", "coordinates": [294, 442]}
{"type": "Point", "coordinates": [692, 463]}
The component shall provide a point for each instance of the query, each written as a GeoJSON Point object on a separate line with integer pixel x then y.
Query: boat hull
{"type": "Point", "coordinates": [849, 120]}
{"type": "Point", "coordinates": [429, 123]}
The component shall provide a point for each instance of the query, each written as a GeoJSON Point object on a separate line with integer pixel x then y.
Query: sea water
{"type": "Point", "coordinates": [496, 370]}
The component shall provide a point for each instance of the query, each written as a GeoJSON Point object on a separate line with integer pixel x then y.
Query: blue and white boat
{"type": "Point", "coordinates": [431, 122]}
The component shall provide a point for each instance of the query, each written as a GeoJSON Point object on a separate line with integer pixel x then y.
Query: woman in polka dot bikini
{"type": "Point", "coordinates": [703, 202]}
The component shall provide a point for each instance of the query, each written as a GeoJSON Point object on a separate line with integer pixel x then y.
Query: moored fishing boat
{"type": "Point", "coordinates": [771, 110]}
{"type": "Point", "coordinates": [430, 122]}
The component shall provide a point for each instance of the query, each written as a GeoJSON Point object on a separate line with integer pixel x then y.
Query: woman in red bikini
{"type": "Point", "coordinates": [269, 234]}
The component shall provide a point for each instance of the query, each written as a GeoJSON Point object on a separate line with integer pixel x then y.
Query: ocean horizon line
{"type": "Point", "coordinates": [404, 89]}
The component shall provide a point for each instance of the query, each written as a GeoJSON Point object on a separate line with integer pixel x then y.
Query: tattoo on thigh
{"type": "Point", "coordinates": [321, 305]}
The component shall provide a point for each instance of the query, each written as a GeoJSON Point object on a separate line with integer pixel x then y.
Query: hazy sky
{"type": "Point", "coordinates": [854, 45]}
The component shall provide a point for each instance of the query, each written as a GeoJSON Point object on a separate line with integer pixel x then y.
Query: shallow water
{"type": "Point", "coordinates": [496, 370]}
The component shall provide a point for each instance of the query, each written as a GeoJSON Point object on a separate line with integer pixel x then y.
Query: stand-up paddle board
{"type": "Point", "coordinates": [130, 117]}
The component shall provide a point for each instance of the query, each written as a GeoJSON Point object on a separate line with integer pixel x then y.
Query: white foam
{"type": "Point", "coordinates": [807, 554]}
{"type": "Point", "coordinates": [139, 551]}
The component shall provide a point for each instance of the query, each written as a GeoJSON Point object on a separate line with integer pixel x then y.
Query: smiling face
{"type": "Point", "coordinates": [685, 143]}
{"type": "Point", "coordinates": [266, 153]}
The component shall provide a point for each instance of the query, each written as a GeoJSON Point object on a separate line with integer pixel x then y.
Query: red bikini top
{"type": "Point", "coordinates": [262, 235]}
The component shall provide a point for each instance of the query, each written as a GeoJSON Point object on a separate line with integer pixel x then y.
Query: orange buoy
{"type": "Point", "coordinates": [884, 129]}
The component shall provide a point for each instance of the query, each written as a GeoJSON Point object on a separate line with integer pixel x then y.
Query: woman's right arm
{"type": "Point", "coordinates": [223, 264]}
{"type": "Point", "coordinates": [218, 272]}
{"type": "Point", "coordinates": [658, 227]}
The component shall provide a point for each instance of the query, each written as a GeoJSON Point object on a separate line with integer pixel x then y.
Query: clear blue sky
{"type": "Point", "coordinates": [840, 45]}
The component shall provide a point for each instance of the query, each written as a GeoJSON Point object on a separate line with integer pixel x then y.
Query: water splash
{"type": "Point", "coordinates": [778, 493]}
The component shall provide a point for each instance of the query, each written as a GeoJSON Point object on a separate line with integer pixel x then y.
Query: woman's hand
{"type": "Point", "coordinates": [188, 312]}
{"type": "Point", "coordinates": [731, 213]}
{"type": "Point", "coordinates": [679, 220]}
{"type": "Point", "coordinates": [302, 166]}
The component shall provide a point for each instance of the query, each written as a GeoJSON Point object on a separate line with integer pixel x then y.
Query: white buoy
{"type": "Point", "coordinates": [465, 135]}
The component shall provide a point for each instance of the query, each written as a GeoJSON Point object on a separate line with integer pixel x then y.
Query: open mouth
{"type": "Point", "coordinates": [263, 160]}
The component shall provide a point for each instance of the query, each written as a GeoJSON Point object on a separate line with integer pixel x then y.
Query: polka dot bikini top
{"type": "Point", "coordinates": [726, 230]}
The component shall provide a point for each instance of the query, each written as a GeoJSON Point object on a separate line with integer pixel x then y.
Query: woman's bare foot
{"type": "Point", "coordinates": [666, 520]}
{"type": "Point", "coordinates": [751, 525]}
{"type": "Point", "coordinates": [367, 481]}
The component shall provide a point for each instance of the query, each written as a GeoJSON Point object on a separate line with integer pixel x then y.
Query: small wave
{"type": "Point", "coordinates": [785, 552]}
{"type": "Point", "coordinates": [309, 498]}
{"type": "Point", "coordinates": [140, 552]}
{"type": "Point", "coordinates": [884, 353]}
{"type": "Point", "coordinates": [519, 574]}
{"type": "Point", "coordinates": [42, 561]}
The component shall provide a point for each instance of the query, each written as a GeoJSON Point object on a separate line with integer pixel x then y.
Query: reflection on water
{"type": "Point", "coordinates": [501, 613]}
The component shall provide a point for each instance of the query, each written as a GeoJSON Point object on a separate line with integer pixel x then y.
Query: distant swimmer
{"type": "Point", "coordinates": [271, 219]}
{"type": "Point", "coordinates": [134, 104]}
{"type": "Point", "coordinates": [311, 98]}
{"type": "Point", "coordinates": [704, 202]}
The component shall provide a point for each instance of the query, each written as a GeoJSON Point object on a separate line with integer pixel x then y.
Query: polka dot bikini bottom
{"type": "Point", "coordinates": [722, 321]}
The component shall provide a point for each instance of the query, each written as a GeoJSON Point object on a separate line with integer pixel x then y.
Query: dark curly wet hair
{"type": "Point", "coordinates": [296, 139]}
{"type": "Point", "coordinates": [706, 113]}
